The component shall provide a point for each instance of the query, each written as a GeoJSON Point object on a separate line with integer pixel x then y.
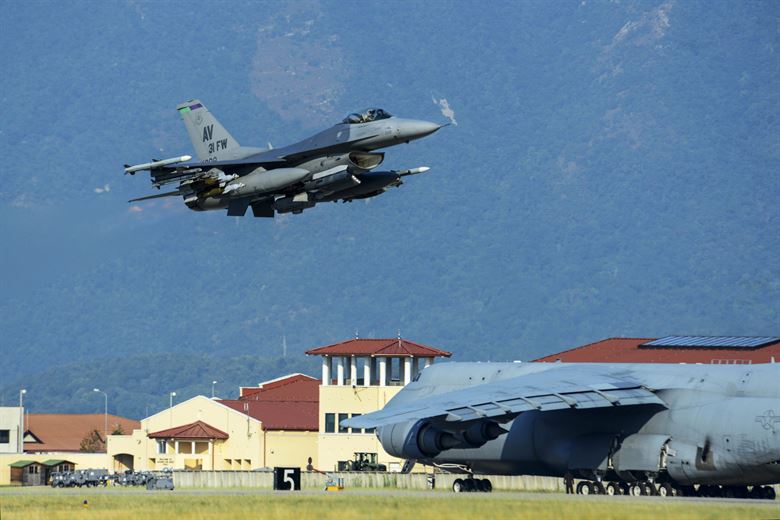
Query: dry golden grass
{"type": "Point", "coordinates": [190, 504]}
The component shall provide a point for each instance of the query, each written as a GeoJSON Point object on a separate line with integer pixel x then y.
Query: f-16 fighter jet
{"type": "Point", "coordinates": [335, 164]}
{"type": "Point", "coordinates": [711, 430]}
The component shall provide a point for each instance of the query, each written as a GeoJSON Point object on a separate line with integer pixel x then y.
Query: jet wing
{"type": "Point", "coordinates": [567, 387]}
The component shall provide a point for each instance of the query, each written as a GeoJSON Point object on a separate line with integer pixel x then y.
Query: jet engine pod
{"type": "Point", "coordinates": [332, 183]}
{"type": "Point", "coordinates": [415, 440]}
{"type": "Point", "coordinates": [294, 204]}
{"type": "Point", "coordinates": [479, 433]}
{"type": "Point", "coordinates": [265, 181]}
{"type": "Point", "coordinates": [422, 440]}
{"type": "Point", "coordinates": [371, 184]}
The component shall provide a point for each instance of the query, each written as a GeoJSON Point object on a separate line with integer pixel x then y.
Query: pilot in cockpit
{"type": "Point", "coordinates": [367, 116]}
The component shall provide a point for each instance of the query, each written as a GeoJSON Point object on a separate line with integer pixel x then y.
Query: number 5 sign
{"type": "Point", "coordinates": [287, 479]}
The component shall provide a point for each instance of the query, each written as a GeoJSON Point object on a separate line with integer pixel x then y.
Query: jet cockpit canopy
{"type": "Point", "coordinates": [366, 116]}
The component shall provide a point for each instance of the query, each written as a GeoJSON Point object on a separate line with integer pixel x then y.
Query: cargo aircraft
{"type": "Point", "coordinates": [705, 430]}
{"type": "Point", "coordinates": [332, 165]}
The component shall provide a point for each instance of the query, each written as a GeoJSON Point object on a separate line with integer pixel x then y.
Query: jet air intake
{"type": "Point", "coordinates": [362, 161]}
{"type": "Point", "coordinates": [356, 162]}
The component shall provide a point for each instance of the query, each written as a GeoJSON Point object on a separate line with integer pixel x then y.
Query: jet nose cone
{"type": "Point", "coordinates": [414, 129]}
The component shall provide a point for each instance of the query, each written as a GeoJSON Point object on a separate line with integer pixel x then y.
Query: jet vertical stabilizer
{"type": "Point", "coordinates": [212, 142]}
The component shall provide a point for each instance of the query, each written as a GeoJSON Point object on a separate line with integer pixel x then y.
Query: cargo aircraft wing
{"type": "Point", "coordinates": [564, 387]}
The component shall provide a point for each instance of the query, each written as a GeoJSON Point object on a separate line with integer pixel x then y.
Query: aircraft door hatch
{"type": "Point", "coordinates": [641, 452]}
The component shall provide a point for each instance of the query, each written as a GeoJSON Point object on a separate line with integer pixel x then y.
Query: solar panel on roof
{"type": "Point", "coordinates": [713, 341]}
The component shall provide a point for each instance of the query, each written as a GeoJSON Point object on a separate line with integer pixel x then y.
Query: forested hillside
{"type": "Point", "coordinates": [613, 170]}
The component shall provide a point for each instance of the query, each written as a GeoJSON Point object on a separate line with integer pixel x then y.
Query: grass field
{"type": "Point", "coordinates": [191, 504]}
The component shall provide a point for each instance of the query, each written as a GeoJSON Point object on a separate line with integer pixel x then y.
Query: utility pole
{"type": "Point", "coordinates": [170, 407]}
{"type": "Point", "coordinates": [212, 388]}
{"type": "Point", "coordinates": [21, 419]}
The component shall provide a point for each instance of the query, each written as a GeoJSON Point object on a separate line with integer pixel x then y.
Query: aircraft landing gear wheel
{"type": "Point", "coordinates": [457, 486]}
{"type": "Point", "coordinates": [599, 489]}
{"type": "Point", "coordinates": [666, 490]}
{"type": "Point", "coordinates": [585, 488]}
{"type": "Point", "coordinates": [485, 485]}
{"type": "Point", "coordinates": [769, 493]}
{"type": "Point", "coordinates": [636, 490]}
{"type": "Point", "coordinates": [613, 488]}
{"type": "Point", "coordinates": [470, 485]}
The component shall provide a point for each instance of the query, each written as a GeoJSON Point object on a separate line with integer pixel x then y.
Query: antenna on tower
{"type": "Point", "coordinates": [399, 337]}
{"type": "Point", "coordinates": [357, 335]}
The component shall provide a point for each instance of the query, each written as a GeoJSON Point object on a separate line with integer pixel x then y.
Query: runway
{"type": "Point", "coordinates": [496, 495]}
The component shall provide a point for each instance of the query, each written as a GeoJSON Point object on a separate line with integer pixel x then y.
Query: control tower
{"type": "Point", "coordinates": [359, 376]}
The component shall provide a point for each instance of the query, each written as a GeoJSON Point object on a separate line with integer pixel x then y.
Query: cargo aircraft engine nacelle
{"type": "Point", "coordinates": [423, 440]}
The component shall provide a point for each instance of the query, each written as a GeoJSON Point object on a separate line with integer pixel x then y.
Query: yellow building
{"type": "Point", "coordinates": [267, 428]}
{"type": "Point", "coordinates": [54, 442]}
{"type": "Point", "coordinates": [360, 376]}
{"type": "Point", "coordinates": [13, 465]}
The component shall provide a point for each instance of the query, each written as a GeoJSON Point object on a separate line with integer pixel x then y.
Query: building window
{"type": "Point", "coordinates": [343, 417]}
{"type": "Point", "coordinates": [161, 447]}
{"type": "Point", "coordinates": [5, 436]}
{"type": "Point", "coordinates": [330, 423]}
{"type": "Point", "coordinates": [356, 430]}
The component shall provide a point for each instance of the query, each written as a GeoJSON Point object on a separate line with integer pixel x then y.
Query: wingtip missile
{"type": "Point", "coordinates": [413, 171]}
{"type": "Point", "coordinates": [156, 164]}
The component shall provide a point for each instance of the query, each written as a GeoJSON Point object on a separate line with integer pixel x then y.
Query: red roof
{"type": "Point", "coordinates": [626, 350]}
{"type": "Point", "coordinates": [378, 347]}
{"type": "Point", "coordinates": [65, 431]}
{"type": "Point", "coordinates": [196, 430]}
{"type": "Point", "coordinates": [279, 415]}
{"type": "Point", "coordinates": [294, 387]}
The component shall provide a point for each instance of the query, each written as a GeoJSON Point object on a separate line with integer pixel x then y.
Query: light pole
{"type": "Point", "coordinates": [21, 419]}
{"type": "Point", "coordinates": [212, 388]}
{"type": "Point", "coordinates": [170, 408]}
{"type": "Point", "coordinates": [105, 416]}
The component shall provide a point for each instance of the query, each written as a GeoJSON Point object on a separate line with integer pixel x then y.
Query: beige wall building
{"type": "Point", "coordinates": [360, 376]}
{"type": "Point", "coordinates": [293, 420]}
{"type": "Point", "coordinates": [271, 426]}
{"type": "Point", "coordinates": [10, 428]}
{"type": "Point", "coordinates": [10, 463]}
